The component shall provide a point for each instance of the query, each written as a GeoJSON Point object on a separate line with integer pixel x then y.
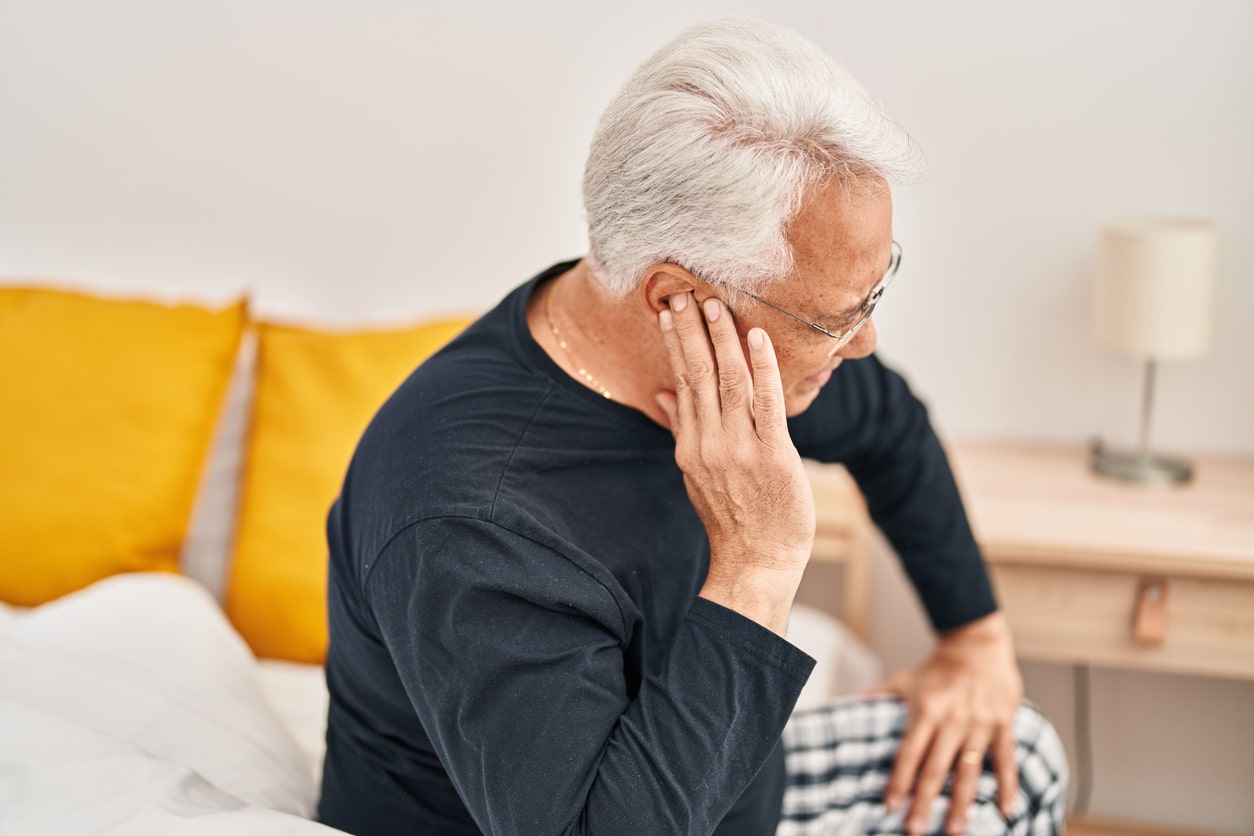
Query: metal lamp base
{"type": "Point", "coordinates": [1141, 465]}
{"type": "Point", "coordinates": [1144, 467]}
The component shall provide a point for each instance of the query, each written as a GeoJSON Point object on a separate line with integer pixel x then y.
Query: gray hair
{"type": "Point", "coordinates": [705, 155]}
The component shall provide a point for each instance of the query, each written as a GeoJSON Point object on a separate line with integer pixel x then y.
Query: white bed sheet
{"type": "Point", "coordinates": [298, 695]}
{"type": "Point", "coordinates": [133, 707]}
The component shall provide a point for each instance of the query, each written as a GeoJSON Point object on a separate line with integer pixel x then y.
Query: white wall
{"type": "Point", "coordinates": [372, 162]}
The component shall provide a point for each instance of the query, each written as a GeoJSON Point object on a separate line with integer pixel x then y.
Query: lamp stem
{"type": "Point", "coordinates": [1147, 404]}
{"type": "Point", "coordinates": [1141, 465]}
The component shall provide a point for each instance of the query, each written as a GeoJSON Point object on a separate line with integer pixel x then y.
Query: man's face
{"type": "Point", "coordinates": [842, 244]}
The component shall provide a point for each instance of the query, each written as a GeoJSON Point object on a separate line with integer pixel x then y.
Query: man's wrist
{"type": "Point", "coordinates": [761, 595]}
{"type": "Point", "coordinates": [989, 630]}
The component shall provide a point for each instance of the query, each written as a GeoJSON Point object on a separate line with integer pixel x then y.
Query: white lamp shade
{"type": "Point", "coordinates": [1156, 286]}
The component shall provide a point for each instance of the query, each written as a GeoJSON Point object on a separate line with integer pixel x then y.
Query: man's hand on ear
{"type": "Point", "coordinates": [743, 474]}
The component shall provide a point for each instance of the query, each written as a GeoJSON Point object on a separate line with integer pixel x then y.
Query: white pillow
{"type": "Point", "coordinates": [149, 663]}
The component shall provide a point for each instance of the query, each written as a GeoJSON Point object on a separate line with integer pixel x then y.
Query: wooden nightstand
{"type": "Point", "coordinates": [1091, 570]}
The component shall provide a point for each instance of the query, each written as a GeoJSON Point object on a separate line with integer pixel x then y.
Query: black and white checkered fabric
{"type": "Point", "coordinates": [840, 757]}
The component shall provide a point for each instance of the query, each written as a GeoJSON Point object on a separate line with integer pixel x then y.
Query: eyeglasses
{"type": "Point", "coordinates": [869, 306]}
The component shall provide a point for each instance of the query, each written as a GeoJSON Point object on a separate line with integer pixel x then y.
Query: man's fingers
{"type": "Point", "coordinates": [768, 391]}
{"type": "Point", "coordinates": [906, 765]}
{"type": "Point", "coordinates": [967, 770]}
{"type": "Point", "coordinates": [936, 767]}
{"type": "Point", "coordinates": [712, 380]}
{"type": "Point", "coordinates": [734, 383]}
{"type": "Point", "coordinates": [696, 376]}
{"type": "Point", "coordinates": [685, 410]}
{"type": "Point", "coordinates": [1007, 768]}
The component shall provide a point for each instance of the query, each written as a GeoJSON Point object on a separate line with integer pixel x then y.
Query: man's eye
{"type": "Point", "coordinates": [844, 325]}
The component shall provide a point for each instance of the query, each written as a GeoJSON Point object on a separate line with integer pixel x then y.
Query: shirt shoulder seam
{"type": "Point", "coordinates": [509, 461]}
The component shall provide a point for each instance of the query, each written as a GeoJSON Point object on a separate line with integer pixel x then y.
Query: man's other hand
{"type": "Point", "coordinates": [962, 703]}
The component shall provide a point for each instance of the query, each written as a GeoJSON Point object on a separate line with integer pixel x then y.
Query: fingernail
{"type": "Point", "coordinates": [679, 301]}
{"type": "Point", "coordinates": [756, 341]}
{"type": "Point", "coordinates": [711, 309]}
{"type": "Point", "coordinates": [664, 317]}
{"type": "Point", "coordinates": [916, 826]}
{"type": "Point", "coordinates": [958, 828]}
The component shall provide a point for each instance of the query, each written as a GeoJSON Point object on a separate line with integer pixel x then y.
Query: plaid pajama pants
{"type": "Point", "coordinates": [840, 757]}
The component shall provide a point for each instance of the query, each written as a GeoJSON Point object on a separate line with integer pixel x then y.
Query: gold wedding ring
{"type": "Point", "coordinates": [971, 757]}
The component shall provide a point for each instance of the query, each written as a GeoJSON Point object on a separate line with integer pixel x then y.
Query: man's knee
{"type": "Point", "coordinates": [1042, 760]}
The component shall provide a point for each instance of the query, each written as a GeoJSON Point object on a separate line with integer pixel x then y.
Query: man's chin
{"type": "Point", "coordinates": [799, 399]}
{"type": "Point", "coordinates": [802, 393]}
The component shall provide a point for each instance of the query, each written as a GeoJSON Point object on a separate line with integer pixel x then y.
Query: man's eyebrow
{"type": "Point", "coordinates": [837, 321]}
{"type": "Point", "coordinates": [858, 307]}
{"type": "Point", "coordinates": [854, 309]}
{"type": "Point", "coordinates": [834, 321]}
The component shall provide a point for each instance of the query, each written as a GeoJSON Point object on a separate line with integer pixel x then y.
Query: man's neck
{"type": "Point", "coordinates": [614, 340]}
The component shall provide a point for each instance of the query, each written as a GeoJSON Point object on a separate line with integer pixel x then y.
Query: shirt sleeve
{"type": "Point", "coordinates": [515, 661]}
{"type": "Point", "coordinates": [868, 419]}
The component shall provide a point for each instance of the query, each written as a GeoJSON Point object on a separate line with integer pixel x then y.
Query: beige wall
{"type": "Point", "coordinates": [379, 161]}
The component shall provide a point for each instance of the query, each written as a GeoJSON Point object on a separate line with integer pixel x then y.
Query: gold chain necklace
{"type": "Point", "coordinates": [592, 381]}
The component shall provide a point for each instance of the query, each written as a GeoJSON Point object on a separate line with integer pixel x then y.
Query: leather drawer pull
{"type": "Point", "coordinates": [1149, 626]}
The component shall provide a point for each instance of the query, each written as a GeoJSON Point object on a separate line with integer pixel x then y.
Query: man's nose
{"type": "Point", "coordinates": [862, 344]}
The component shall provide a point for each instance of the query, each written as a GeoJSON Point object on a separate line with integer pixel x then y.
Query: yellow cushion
{"type": "Point", "coordinates": [109, 409]}
{"type": "Point", "coordinates": [315, 393]}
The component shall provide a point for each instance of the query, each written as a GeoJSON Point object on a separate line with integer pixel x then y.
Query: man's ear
{"type": "Point", "coordinates": [661, 281]}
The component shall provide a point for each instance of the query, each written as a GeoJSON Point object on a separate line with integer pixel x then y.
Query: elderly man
{"type": "Point", "coordinates": [566, 549]}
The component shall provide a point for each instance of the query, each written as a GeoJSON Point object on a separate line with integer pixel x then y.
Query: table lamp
{"type": "Point", "coordinates": [1155, 300]}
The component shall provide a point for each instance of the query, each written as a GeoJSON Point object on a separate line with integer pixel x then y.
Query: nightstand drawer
{"type": "Point", "coordinates": [1069, 615]}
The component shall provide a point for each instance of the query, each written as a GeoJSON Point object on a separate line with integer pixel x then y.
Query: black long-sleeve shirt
{"type": "Point", "coordinates": [517, 644]}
